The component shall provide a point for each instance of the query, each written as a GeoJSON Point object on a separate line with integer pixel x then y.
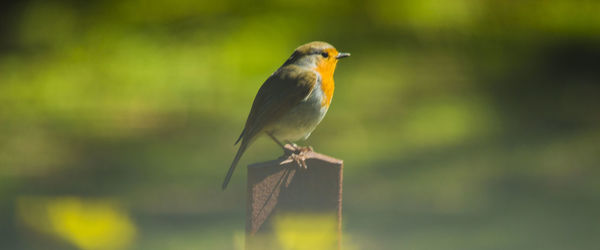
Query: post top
{"type": "Point", "coordinates": [310, 156]}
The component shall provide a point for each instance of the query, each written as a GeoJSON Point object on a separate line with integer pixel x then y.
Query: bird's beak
{"type": "Point", "coordinates": [342, 55]}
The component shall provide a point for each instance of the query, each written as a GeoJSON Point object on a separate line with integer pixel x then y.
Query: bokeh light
{"type": "Point", "coordinates": [462, 124]}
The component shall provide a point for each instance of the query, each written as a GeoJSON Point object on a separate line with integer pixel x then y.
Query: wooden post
{"type": "Point", "coordinates": [292, 207]}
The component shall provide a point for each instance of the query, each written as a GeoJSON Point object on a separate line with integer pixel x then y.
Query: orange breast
{"type": "Point", "coordinates": [326, 69]}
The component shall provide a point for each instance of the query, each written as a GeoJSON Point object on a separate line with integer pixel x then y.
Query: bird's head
{"type": "Point", "coordinates": [316, 55]}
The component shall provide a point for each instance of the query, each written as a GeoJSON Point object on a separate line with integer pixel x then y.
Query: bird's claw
{"type": "Point", "coordinates": [300, 159]}
{"type": "Point", "coordinates": [297, 154]}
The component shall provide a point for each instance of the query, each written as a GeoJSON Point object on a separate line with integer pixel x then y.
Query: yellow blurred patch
{"type": "Point", "coordinates": [87, 224]}
{"type": "Point", "coordinates": [306, 231]}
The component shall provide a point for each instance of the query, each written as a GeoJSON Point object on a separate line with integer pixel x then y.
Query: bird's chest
{"type": "Point", "coordinates": [326, 86]}
{"type": "Point", "coordinates": [303, 118]}
{"type": "Point", "coordinates": [312, 109]}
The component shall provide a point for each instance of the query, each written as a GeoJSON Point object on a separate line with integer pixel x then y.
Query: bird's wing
{"type": "Point", "coordinates": [281, 91]}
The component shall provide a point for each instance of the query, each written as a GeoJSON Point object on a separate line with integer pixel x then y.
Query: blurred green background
{"type": "Point", "coordinates": [463, 124]}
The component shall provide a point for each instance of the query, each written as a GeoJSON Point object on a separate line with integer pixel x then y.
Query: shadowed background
{"type": "Point", "coordinates": [462, 124]}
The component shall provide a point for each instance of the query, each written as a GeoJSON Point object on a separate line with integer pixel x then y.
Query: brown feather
{"type": "Point", "coordinates": [280, 92]}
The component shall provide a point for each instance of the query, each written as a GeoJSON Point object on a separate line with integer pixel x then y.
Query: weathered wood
{"type": "Point", "coordinates": [280, 189]}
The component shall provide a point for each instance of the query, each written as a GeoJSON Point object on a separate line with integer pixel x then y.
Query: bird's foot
{"type": "Point", "coordinates": [300, 160]}
{"type": "Point", "coordinates": [291, 148]}
{"type": "Point", "coordinates": [297, 154]}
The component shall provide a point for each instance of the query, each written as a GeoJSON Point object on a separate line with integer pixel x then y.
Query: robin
{"type": "Point", "coordinates": [292, 101]}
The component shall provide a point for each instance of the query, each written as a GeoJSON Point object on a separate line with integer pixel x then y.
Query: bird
{"type": "Point", "coordinates": [292, 101]}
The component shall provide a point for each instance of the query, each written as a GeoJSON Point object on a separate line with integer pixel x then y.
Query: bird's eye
{"type": "Point", "coordinates": [325, 54]}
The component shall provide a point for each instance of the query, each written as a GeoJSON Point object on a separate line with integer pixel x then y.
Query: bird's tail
{"type": "Point", "coordinates": [239, 154]}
